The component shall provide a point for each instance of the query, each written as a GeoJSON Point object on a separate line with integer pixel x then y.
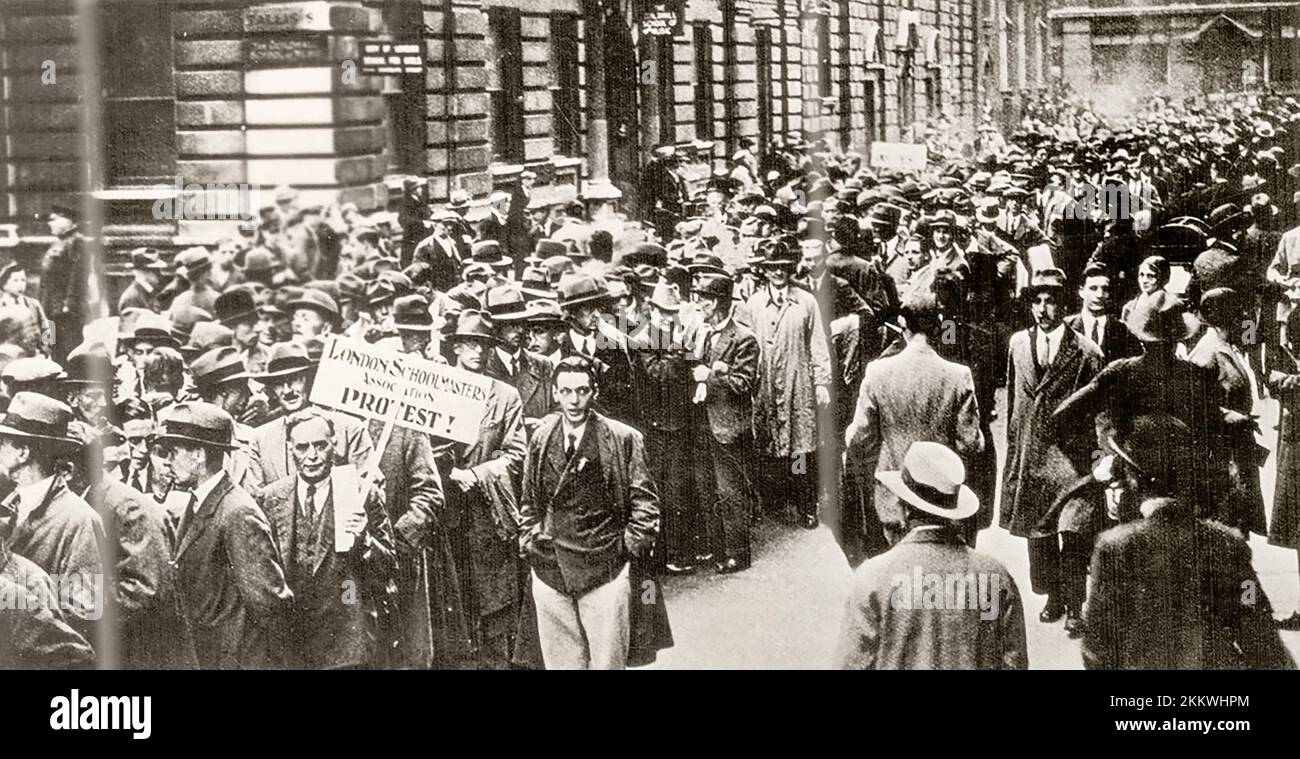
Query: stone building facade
{"type": "Point", "coordinates": [205, 95]}
{"type": "Point", "coordinates": [1157, 47]}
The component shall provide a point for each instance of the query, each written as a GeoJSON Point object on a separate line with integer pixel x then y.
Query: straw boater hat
{"type": "Point", "coordinates": [32, 416]}
{"type": "Point", "coordinates": [933, 479]}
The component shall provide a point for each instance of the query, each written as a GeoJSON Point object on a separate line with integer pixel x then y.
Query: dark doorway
{"type": "Point", "coordinates": [621, 108]}
{"type": "Point", "coordinates": [763, 56]}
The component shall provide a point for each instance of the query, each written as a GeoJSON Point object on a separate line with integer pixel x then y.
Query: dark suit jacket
{"type": "Point", "coordinates": [492, 228]}
{"type": "Point", "coordinates": [728, 402]}
{"type": "Point", "coordinates": [134, 296]}
{"type": "Point", "coordinates": [1117, 343]}
{"type": "Point", "coordinates": [63, 536]}
{"type": "Point", "coordinates": [1170, 592]}
{"type": "Point", "coordinates": [230, 580]}
{"type": "Point", "coordinates": [328, 629]}
{"type": "Point", "coordinates": [583, 548]}
{"type": "Point", "coordinates": [139, 543]}
{"type": "Point", "coordinates": [532, 382]}
{"type": "Point", "coordinates": [33, 633]}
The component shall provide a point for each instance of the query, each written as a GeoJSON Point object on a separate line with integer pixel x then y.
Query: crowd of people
{"type": "Point", "coordinates": [802, 338]}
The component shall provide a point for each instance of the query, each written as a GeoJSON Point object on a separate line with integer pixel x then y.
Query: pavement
{"type": "Point", "coordinates": [785, 611]}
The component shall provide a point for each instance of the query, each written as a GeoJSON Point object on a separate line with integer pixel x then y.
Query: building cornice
{"type": "Point", "coordinates": [1179, 9]}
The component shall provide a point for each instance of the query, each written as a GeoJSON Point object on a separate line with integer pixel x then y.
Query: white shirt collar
{"type": "Point", "coordinates": [206, 487]}
{"type": "Point", "coordinates": [322, 492]}
{"type": "Point", "coordinates": [580, 342]}
{"type": "Point", "coordinates": [569, 429]}
{"type": "Point", "coordinates": [507, 357]}
{"type": "Point", "coordinates": [30, 497]}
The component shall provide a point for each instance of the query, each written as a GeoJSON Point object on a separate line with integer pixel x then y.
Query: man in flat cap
{"type": "Point", "coordinates": [53, 526]}
{"type": "Point", "coordinates": [229, 575]}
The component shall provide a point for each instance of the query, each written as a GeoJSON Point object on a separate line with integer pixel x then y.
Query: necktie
{"type": "Point", "coordinates": [1044, 350]}
{"type": "Point", "coordinates": [1096, 332]}
{"type": "Point", "coordinates": [514, 366]}
{"type": "Point", "coordinates": [572, 446]}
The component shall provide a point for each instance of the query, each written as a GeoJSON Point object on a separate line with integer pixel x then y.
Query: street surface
{"type": "Point", "coordinates": [785, 611]}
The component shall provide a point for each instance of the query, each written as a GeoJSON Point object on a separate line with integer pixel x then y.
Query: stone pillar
{"type": "Point", "coordinates": [597, 185]}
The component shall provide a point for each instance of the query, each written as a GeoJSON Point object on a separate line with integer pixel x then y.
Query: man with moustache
{"type": "Point", "coordinates": [529, 373]}
{"type": "Point", "coordinates": [328, 629]}
{"type": "Point", "coordinates": [288, 378]}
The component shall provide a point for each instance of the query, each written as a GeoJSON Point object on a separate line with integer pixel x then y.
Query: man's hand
{"type": "Point", "coordinates": [823, 396]}
{"type": "Point", "coordinates": [464, 478]}
{"type": "Point", "coordinates": [355, 524]}
{"type": "Point", "coordinates": [720, 367]}
{"type": "Point", "coordinates": [374, 476]}
{"type": "Point", "coordinates": [701, 373]}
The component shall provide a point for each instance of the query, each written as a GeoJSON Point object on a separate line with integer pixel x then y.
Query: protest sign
{"type": "Point", "coordinates": [401, 389]}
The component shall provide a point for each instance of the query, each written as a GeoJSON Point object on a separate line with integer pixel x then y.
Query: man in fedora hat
{"type": "Point", "coordinates": [288, 379]}
{"type": "Point", "coordinates": [315, 314]}
{"type": "Point", "coordinates": [414, 322]}
{"type": "Point", "coordinates": [795, 374]}
{"type": "Point", "coordinates": [221, 378]}
{"type": "Point", "coordinates": [1170, 590]}
{"type": "Point", "coordinates": [546, 329]}
{"type": "Point", "coordinates": [443, 251]}
{"type": "Point", "coordinates": [1046, 364]}
{"type": "Point", "coordinates": [147, 271]}
{"type": "Point", "coordinates": [89, 384]}
{"type": "Point", "coordinates": [481, 481]}
{"type": "Point", "coordinates": [229, 575]}
{"type": "Point", "coordinates": [585, 299]}
{"type": "Point", "coordinates": [195, 265]}
{"type": "Point", "coordinates": [510, 361]}
{"type": "Point", "coordinates": [726, 356]}
{"type": "Point", "coordinates": [237, 309]}
{"type": "Point", "coordinates": [930, 601]}
{"type": "Point", "coordinates": [587, 511]}
{"type": "Point", "coordinates": [912, 395]}
{"type": "Point", "coordinates": [52, 526]}
{"type": "Point", "coordinates": [326, 629]}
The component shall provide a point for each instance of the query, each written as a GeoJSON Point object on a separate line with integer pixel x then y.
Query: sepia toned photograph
{"type": "Point", "coordinates": [650, 334]}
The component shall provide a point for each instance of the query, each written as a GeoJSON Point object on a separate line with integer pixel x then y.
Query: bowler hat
{"type": "Point", "coordinates": [411, 312]}
{"type": "Point", "coordinates": [645, 253]}
{"type": "Point", "coordinates": [152, 328]}
{"type": "Point", "coordinates": [259, 260]}
{"type": "Point", "coordinates": [219, 365]}
{"type": "Point", "coordinates": [489, 252]}
{"type": "Point", "coordinates": [33, 416]}
{"type": "Point", "coordinates": [579, 289]}
{"type": "Point", "coordinates": [234, 306]}
{"type": "Point", "coordinates": [196, 422]}
{"type": "Point", "coordinates": [779, 255]}
{"type": "Point", "coordinates": [932, 479]}
{"type": "Point", "coordinates": [286, 360]}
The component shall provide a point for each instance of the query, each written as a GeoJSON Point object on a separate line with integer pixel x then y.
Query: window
{"type": "Point", "coordinates": [703, 80]}
{"type": "Point", "coordinates": [763, 58]}
{"type": "Point", "coordinates": [505, 84]}
{"type": "Point", "coordinates": [667, 105]}
{"type": "Point", "coordinates": [565, 115]}
{"type": "Point", "coordinates": [139, 95]}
